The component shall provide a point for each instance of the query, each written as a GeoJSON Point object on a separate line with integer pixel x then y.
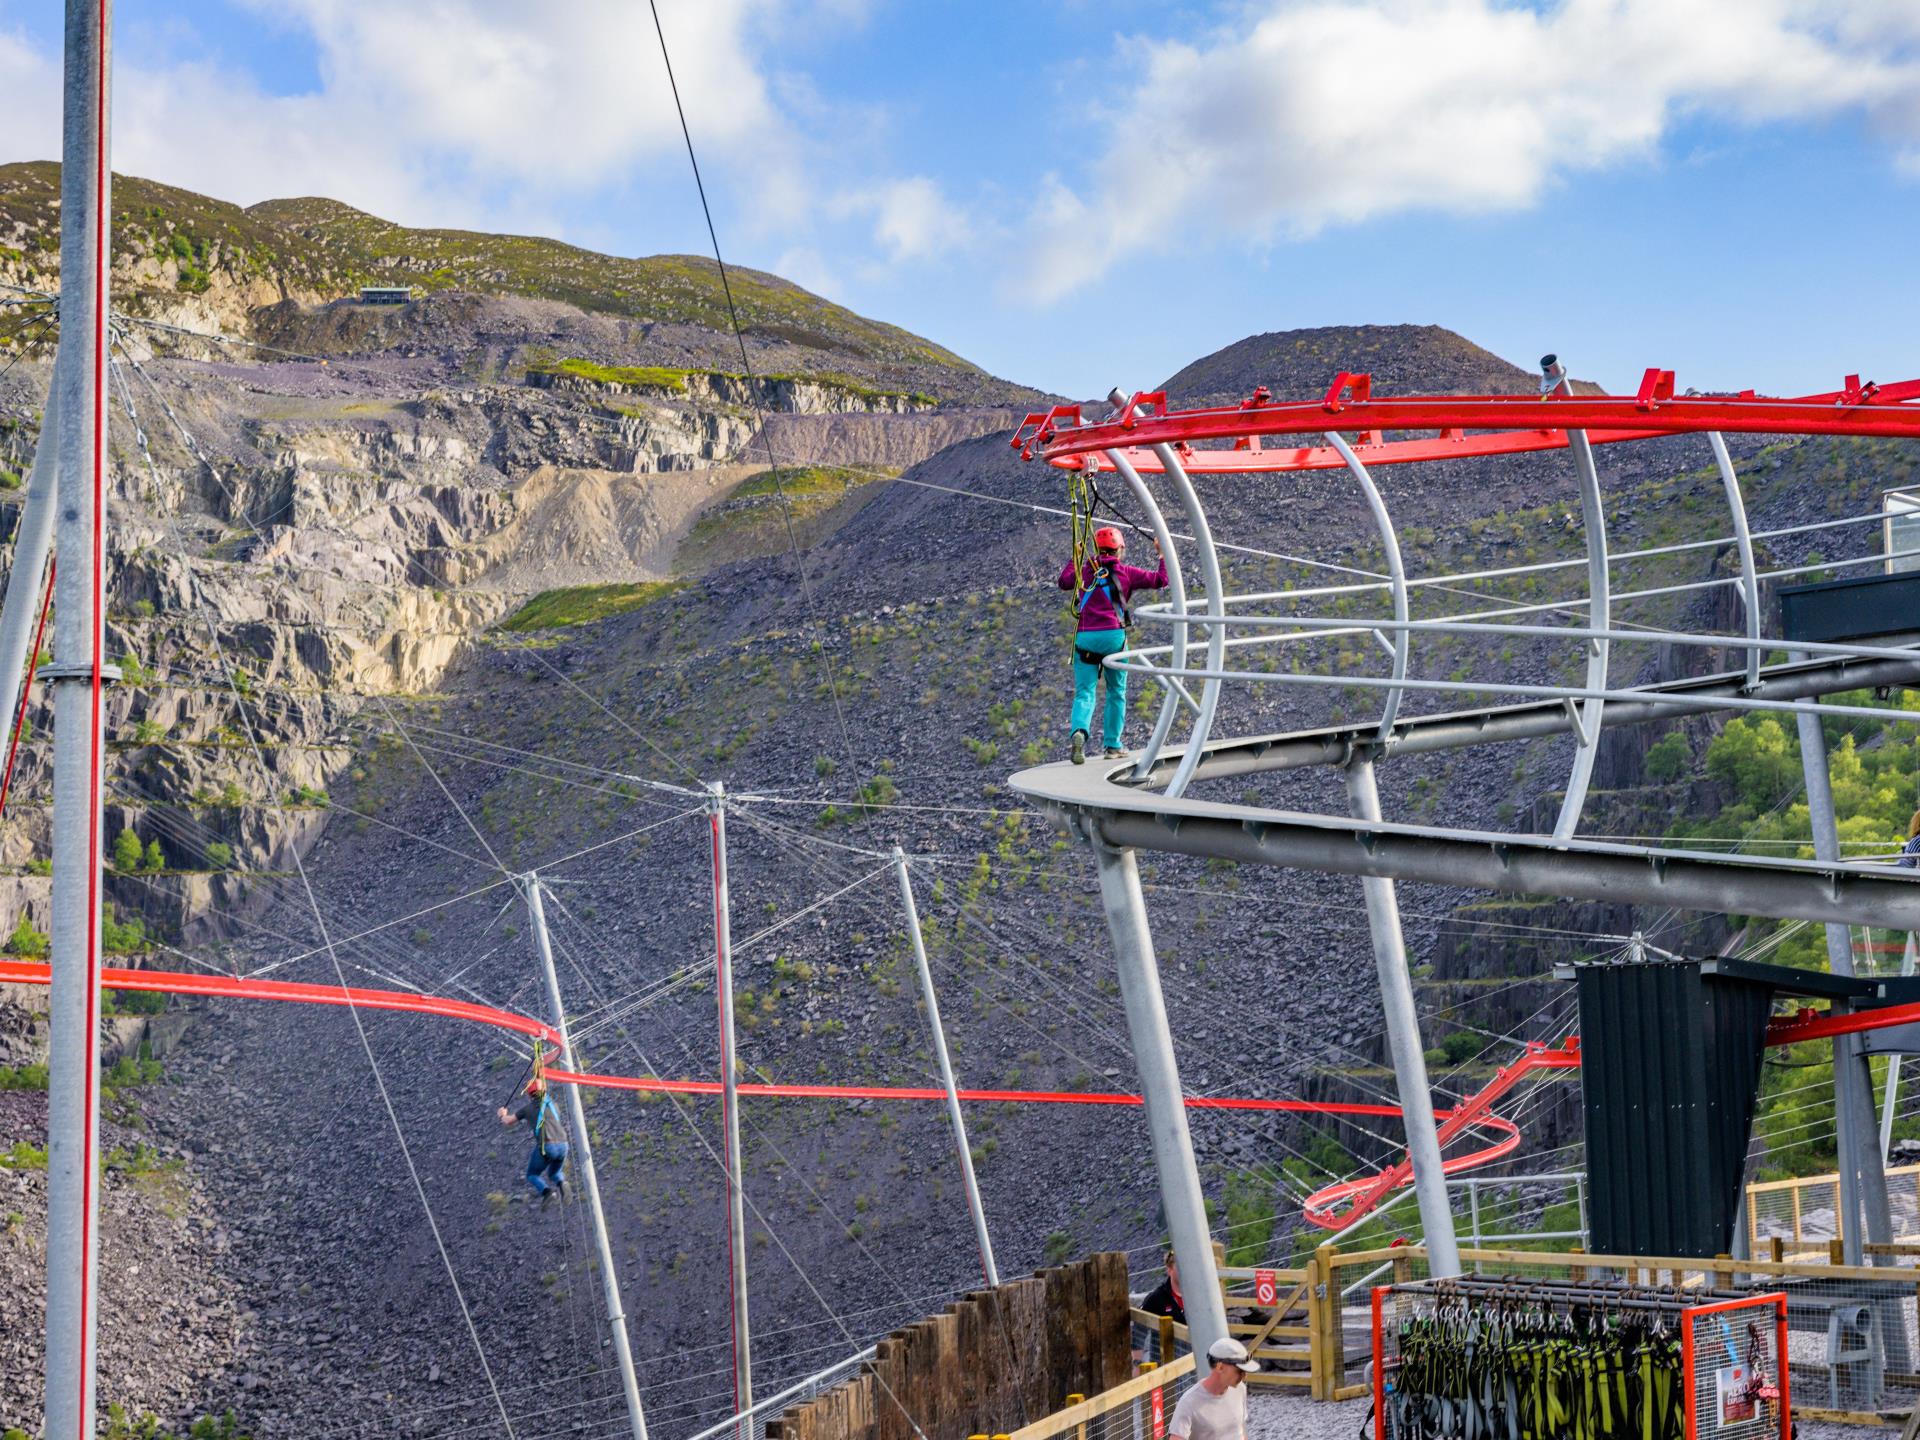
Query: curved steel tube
{"type": "Point", "coordinates": [1599, 617]}
{"type": "Point", "coordinates": [1176, 583]}
{"type": "Point", "coordinates": [1742, 537]}
{"type": "Point", "coordinates": [1402, 643]}
{"type": "Point", "coordinates": [1216, 633]}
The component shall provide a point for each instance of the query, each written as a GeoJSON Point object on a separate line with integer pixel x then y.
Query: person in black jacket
{"type": "Point", "coordinates": [1163, 1299]}
{"type": "Point", "coordinates": [546, 1166]}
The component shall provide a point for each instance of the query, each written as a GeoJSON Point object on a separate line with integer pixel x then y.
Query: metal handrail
{"type": "Point", "coordinates": [733, 1421]}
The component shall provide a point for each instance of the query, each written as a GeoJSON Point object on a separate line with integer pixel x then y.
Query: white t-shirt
{"type": "Point", "coordinates": [1204, 1416]}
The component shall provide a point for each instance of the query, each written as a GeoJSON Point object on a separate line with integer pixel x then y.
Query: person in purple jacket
{"type": "Point", "coordinates": [1102, 588]}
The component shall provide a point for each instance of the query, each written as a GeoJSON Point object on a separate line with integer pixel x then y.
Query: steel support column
{"type": "Point", "coordinates": [1403, 1039]}
{"type": "Point", "coordinates": [730, 1107]}
{"type": "Point", "coordinates": [1863, 1181]}
{"type": "Point", "coordinates": [32, 544]}
{"type": "Point", "coordinates": [576, 1110]}
{"type": "Point", "coordinates": [78, 677]}
{"type": "Point", "coordinates": [1180, 1194]}
{"type": "Point", "coordinates": [954, 1117]}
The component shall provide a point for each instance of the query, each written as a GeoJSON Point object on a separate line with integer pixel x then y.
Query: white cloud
{"type": "Point", "coordinates": [1313, 113]}
{"type": "Point", "coordinates": [912, 218]}
{"type": "Point", "coordinates": [482, 113]}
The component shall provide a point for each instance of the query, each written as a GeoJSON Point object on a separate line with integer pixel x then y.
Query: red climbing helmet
{"type": "Point", "coordinates": [1108, 538]}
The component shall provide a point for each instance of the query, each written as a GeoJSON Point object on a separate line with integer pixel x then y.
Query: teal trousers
{"type": "Point", "coordinates": [1086, 677]}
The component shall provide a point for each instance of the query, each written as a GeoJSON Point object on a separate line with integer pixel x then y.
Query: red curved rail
{"type": "Point", "coordinates": [1503, 424]}
{"type": "Point", "coordinates": [1369, 1190]}
{"type": "Point", "coordinates": [1363, 1193]}
{"type": "Point", "coordinates": [177, 982]}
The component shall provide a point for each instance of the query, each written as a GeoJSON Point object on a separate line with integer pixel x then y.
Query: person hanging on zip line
{"type": "Point", "coordinates": [546, 1166]}
{"type": "Point", "coordinates": [1101, 588]}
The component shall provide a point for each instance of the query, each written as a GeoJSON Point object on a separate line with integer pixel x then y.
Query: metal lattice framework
{"type": "Point", "coordinates": [1146, 801]}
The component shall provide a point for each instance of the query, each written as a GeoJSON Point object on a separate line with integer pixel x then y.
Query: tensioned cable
{"type": "Point", "coordinates": [746, 364]}
{"type": "Point", "coordinates": [359, 1025]}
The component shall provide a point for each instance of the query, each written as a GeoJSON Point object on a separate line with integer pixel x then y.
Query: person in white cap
{"type": "Point", "coordinates": [1216, 1408]}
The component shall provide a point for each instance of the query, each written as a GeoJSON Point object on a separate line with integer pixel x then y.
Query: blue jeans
{"type": "Point", "coordinates": [1086, 677]}
{"type": "Point", "coordinates": [546, 1163]}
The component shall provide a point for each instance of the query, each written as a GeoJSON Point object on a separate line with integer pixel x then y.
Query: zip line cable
{"type": "Point", "coordinates": [359, 1025]}
{"type": "Point", "coordinates": [746, 365]}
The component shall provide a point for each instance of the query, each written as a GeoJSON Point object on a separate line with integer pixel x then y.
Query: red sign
{"type": "Point", "coordinates": [1159, 1412]}
{"type": "Point", "coordinates": [1266, 1287]}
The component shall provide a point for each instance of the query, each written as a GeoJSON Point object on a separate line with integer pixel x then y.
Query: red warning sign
{"type": "Point", "coordinates": [1159, 1412]}
{"type": "Point", "coordinates": [1266, 1287]}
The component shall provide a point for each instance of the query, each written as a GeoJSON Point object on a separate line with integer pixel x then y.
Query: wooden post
{"type": "Point", "coordinates": [1798, 1238]}
{"type": "Point", "coordinates": [1080, 1430]}
{"type": "Point", "coordinates": [1836, 1251]}
{"type": "Point", "coordinates": [1319, 1356]}
{"type": "Point", "coordinates": [1166, 1339]}
{"type": "Point", "coordinates": [1777, 1246]}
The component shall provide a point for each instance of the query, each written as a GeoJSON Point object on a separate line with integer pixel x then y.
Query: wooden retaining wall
{"type": "Point", "coordinates": [986, 1366]}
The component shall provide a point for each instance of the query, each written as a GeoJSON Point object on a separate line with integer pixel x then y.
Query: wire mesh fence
{"type": "Point", "coordinates": [1804, 1214]}
{"type": "Point", "coordinates": [1852, 1333]}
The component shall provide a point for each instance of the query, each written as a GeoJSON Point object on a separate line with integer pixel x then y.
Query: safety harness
{"type": "Point", "coordinates": [1475, 1375]}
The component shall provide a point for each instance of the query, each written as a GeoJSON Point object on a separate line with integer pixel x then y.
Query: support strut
{"type": "Point", "coordinates": [1403, 1039]}
{"type": "Point", "coordinates": [932, 1002]}
{"type": "Point", "coordinates": [730, 1108]}
{"type": "Point", "coordinates": [576, 1111]}
{"type": "Point", "coordinates": [1180, 1193]}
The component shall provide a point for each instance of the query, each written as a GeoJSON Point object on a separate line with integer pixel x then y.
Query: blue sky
{"type": "Point", "coordinates": [1079, 195]}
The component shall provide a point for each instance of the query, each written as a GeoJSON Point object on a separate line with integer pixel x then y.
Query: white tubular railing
{"type": "Point", "coordinates": [800, 1390]}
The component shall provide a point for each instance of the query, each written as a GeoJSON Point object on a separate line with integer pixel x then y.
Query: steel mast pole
{"type": "Point", "coordinates": [32, 544]}
{"type": "Point", "coordinates": [730, 1108]}
{"type": "Point", "coordinates": [78, 679]}
{"type": "Point", "coordinates": [576, 1110]}
{"type": "Point", "coordinates": [987, 1265]}
{"type": "Point", "coordinates": [1863, 1180]}
{"type": "Point", "coordinates": [1403, 1040]}
{"type": "Point", "coordinates": [1166, 1105]}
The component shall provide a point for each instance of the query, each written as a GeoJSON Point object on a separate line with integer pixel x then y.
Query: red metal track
{"type": "Point", "coordinates": [1369, 1190]}
{"type": "Point", "coordinates": [1363, 1193]}
{"type": "Point", "coordinates": [176, 982]}
{"type": "Point", "coordinates": [1503, 424]}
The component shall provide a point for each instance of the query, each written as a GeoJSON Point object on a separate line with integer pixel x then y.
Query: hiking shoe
{"type": "Point", "coordinates": [560, 1188]}
{"type": "Point", "coordinates": [1079, 750]}
{"type": "Point", "coordinates": [546, 1198]}
{"type": "Point", "coordinates": [1112, 752]}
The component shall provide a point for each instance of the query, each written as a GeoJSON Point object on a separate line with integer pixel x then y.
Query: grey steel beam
{"type": "Point", "coordinates": [1401, 646]}
{"type": "Point", "coordinates": [1453, 730]}
{"type": "Point", "coordinates": [1800, 890]}
{"type": "Point", "coordinates": [78, 676]}
{"type": "Point", "coordinates": [1863, 1181]}
{"type": "Point", "coordinates": [954, 1117]}
{"type": "Point", "coordinates": [1403, 1041]}
{"type": "Point", "coordinates": [1180, 1193]}
{"type": "Point", "coordinates": [576, 1109]}
{"type": "Point", "coordinates": [1599, 617]}
{"type": "Point", "coordinates": [730, 1107]}
{"type": "Point", "coordinates": [1743, 542]}
{"type": "Point", "coordinates": [1216, 633]}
